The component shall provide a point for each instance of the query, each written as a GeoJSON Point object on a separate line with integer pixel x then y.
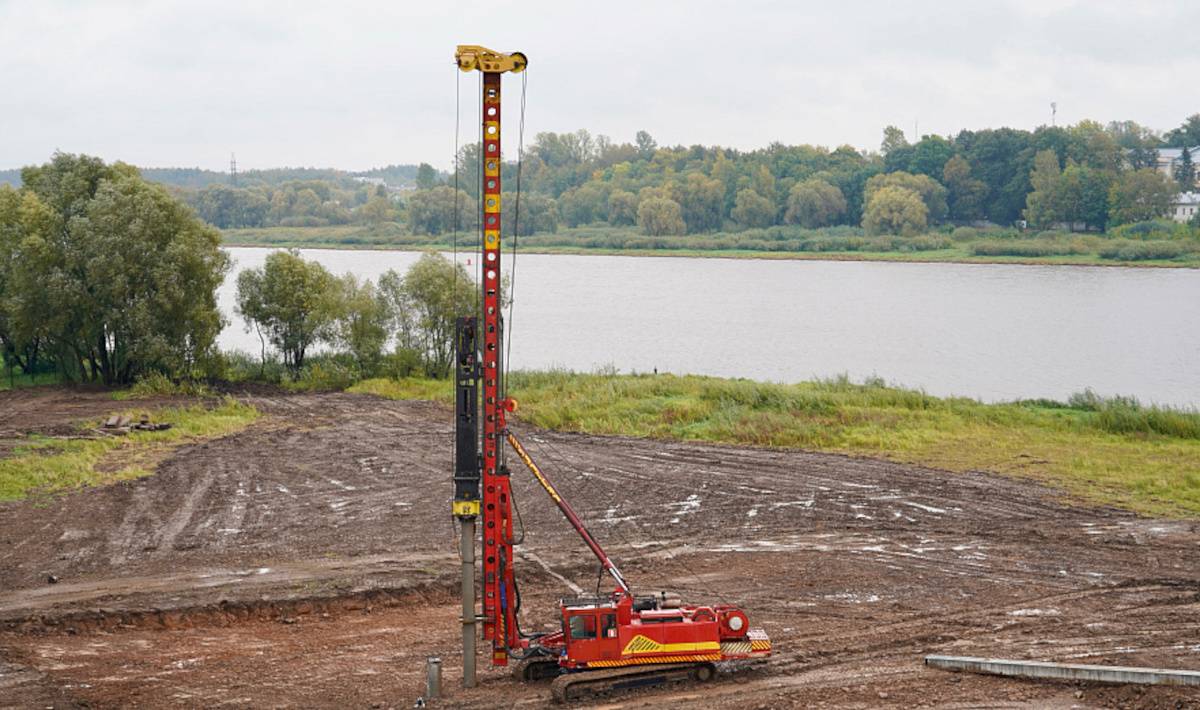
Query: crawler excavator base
{"type": "Point", "coordinates": [573, 686]}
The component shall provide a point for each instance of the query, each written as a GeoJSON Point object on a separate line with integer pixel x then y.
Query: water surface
{"type": "Point", "coordinates": [990, 331]}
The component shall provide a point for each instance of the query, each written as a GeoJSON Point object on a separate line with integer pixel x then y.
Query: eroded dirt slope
{"type": "Point", "coordinates": [310, 561]}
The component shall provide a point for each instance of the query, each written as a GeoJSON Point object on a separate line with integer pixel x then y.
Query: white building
{"type": "Point", "coordinates": [1168, 158]}
{"type": "Point", "coordinates": [1185, 207]}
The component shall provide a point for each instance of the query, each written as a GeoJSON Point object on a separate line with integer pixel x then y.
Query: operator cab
{"type": "Point", "coordinates": [591, 627]}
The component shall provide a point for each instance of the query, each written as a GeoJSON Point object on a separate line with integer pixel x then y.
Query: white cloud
{"type": "Point", "coordinates": [357, 84]}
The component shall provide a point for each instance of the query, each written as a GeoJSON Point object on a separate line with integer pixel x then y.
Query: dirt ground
{"type": "Point", "coordinates": [310, 561]}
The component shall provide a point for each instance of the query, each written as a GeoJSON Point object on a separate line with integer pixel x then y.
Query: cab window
{"type": "Point", "coordinates": [608, 626]}
{"type": "Point", "coordinates": [583, 627]}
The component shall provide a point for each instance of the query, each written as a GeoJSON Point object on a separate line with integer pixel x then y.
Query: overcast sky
{"type": "Point", "coordinates": [361, 84]}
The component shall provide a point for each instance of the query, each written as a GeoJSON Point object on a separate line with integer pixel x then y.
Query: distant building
{"type": "Point", "coordinates": [1168, 158]}
{"type": "Point", "coordinates": [377, 181]}
{"type": "Point", "coordinates": [1185, 207]}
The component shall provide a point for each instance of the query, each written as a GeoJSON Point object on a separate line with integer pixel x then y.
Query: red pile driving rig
{"type": "Point", "coordinates": [610, 642]}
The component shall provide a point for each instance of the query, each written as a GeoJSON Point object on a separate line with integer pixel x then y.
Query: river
{"type": "Point", "coordinates": [992, 332]}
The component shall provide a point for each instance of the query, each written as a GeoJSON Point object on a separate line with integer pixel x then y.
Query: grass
{"type": "Point", "coordinates": [156, 384]}
{"type": "Point", "coordinates": [407, 388]}
{"type": "Point", "coordinates": [21, 380]}
{"type": "Point", "coordinates": [388, 236]}
{"type": "Point", "coordinates": [47, 465]}
{"type": "Point", "coordinates": [1111, 451]}
{"type": "Point", "coordinates": [963, 245]}
{"type": "Point", "coordinates": [17, 378]}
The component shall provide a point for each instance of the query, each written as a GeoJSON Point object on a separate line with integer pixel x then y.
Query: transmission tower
{"type": "Point", "coordinates": [233, 169]}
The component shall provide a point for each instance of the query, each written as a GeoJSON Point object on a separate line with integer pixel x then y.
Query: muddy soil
{"type": "Point", "coordinates": [59, 411]}
{"type": "Point", "coordinates": [309, 561]}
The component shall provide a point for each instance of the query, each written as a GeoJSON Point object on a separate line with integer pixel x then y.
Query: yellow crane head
{"type": "Point", "coordinates": [471, 57]}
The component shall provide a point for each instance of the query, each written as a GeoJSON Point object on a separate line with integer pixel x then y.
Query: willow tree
{"type": "Point", "coordinates": [293, 303]}
{"type": "Point", "coordinates": [114, 275]}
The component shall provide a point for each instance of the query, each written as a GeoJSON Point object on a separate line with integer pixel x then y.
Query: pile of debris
{"type": "Point", "coordinates": [122, 424]}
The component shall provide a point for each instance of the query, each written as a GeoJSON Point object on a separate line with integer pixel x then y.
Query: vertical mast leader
{"type": "Point", "coordinates": [499, 594]}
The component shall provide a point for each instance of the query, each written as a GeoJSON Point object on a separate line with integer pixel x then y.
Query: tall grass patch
{"type": "Point", "coordinates": [1112, 451]}
{"type": "Point", "coordinates": [47, 465]}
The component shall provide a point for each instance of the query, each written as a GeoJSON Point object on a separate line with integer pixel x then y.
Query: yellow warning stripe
{"type": "Point", "coordinates": [657, 659]}
{"type": "Point", "coordinates": [641, 644]}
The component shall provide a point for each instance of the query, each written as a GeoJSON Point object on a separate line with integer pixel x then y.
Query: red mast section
{"type": "Point", "coordinates": [499, 592]}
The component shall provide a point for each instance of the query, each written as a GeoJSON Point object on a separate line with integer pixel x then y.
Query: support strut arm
{"type": "Point", "coordinates": [569, 513]}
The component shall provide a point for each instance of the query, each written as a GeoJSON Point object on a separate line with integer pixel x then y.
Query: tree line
{"type": "Point", "coordinates": [403, 324]}
{"type": "Point", "coordinates": [106, 277]}
{"type": "Point", "coordinates": [1105, 176]}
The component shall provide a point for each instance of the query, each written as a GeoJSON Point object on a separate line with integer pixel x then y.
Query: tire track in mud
{"type": "Point", "coordinates": [855, 566]}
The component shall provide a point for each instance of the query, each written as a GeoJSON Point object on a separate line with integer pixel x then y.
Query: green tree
{"type": "Point", "coordinates": [1081, 196]}
{"type": "Point", "coordinates": [702, 202]}
{"type": "Point", "coordinates": [752, 209]}
{"type": "Point", "coordinates": [893, 139]}
{"type": "Point", "coordinates": [1185, 171]}
{"type": "Point", "coordinates": [1002, 159]}
{"type": "Point", "coordinates": [228, 207]}
{"type": "Point", "coordinates": [660, 216]}
{"type": "Point", "coordinates": [725, 172]}
{"type": "Point", "coordinates": [440, 210]}
{"type": "Point", "coordinates": [931, 191]}
{"type": "Point", "coordinates": [1138, 195]}
{"type": "Point", "coordinates": [427, 177]}
{"type": "Point", "coordinates": [422, 307]}
{"type": "Point", "coordinates": [1042, 204]}
{"type": "Point", "coordinates": [645, 145]}
{"type": "Point", "coordinates": [292, 303]}
{"type": "Point", "coordinates": [895, 210]}
{"type": "Point", "coordinates": [622, 208]}
{"type": "Point", "coordinates": [1139, 143]}
{"type": "Point", "coordinates": [118, 276]}
{"type": "Point", "coordinates": [1187, 135]}
{"type": "Point", "coordinates": [1100, 148]}
{"type": "Point", "coordinates": [307, 204]}
{"type": "Point", "coordinates": [763, 182]}
{"type": "Point", "coordinates": [360, 322]}
{"type": "Point", "coordinates": [22, 334]}
{"type": "Point", "coordinates": [377, 210]}
{"type": "Point", "coordinates": [964, 194]}
{"type": "Point", "coordinates": [929, 156]}
{"type": "Point", "coordinates": [583, 205]}
{"type": "Point", "coordinates": [814, 203]}
{"type": "Point", "coordinates": [536, 213]}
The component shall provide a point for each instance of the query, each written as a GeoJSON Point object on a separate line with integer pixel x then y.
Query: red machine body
{"type": "Point", "coordinates": [610, 633]}
{"type": "Point", "coordinates": [626, 630]}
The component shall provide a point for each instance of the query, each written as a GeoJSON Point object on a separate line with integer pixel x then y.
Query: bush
{"type": "Point", "coordinates": [964, 234]}
{"type": "Point", "coordinates": [240, 366]}
{"type": "Point", "coordinates": [157, 384]}
{"type": "Point", "coordinates": [404, 362]}
{"type": "Point", "coordinates": [307, 221]}
{"type": "Point", "coordinates": [324, 374]}
{"type": "Point", "coordinates": [1028, 248]}
{"type": "Point", "coordinates": [1151, 230]}
{"type": "Point", "coordinates": [1127, 250]}
{"type": "Point", "coordinates": [925, 242]}
{"type": "Point", "coordinates": [1125, 415]}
